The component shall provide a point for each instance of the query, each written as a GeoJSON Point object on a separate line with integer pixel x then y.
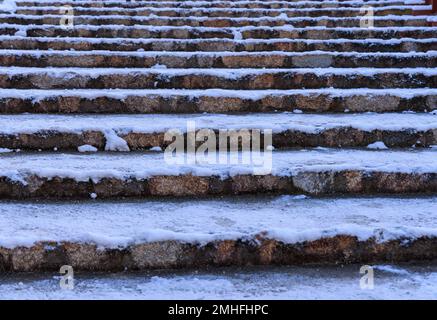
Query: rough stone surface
{"type": "Point", "coordinates": [314, 183]}
{"type": "Point", "coordinates": [341, 249]}
{"type": "Point", "coordinates": [340, 137]}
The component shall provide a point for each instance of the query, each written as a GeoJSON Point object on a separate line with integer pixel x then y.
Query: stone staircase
{"type": "Point", "coordinates": [351, 114]}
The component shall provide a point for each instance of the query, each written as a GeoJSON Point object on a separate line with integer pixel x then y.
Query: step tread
{"type": "Point", "coordinates": [264, 283]}
{"type": "Point", "coordinates": [217, 59]}
{"type": "Point", "coordinates": [190, 54]}
{"type": "Point", "coordinates": [15, 101]}
{"type": "Point", "coordinates": [230, 73]}
{"type": "Point", "coordinates": [200, 78]}
{"type": "Point", "coordinates": [143, 165]}
{"type": "Point", "coordinates": [225, 40]}
{"type": "Point", "coordinates": [160, 123]}
{"type": "Point", "coordinates": [291, 219]}
{"type": "Point", "coordinates": [39, 94]}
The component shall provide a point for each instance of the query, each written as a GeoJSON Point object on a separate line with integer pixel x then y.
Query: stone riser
{"type": "Point", "coordinates": [327, 183]}
{"type": "Point", "coordinates": [341, 249]}
{"type": "Point", "coordinates": [155, 80]}
{"type": "Point", "coordinates": [341, 137]}
{"type": "Point", "coordinates": [217, 22]}
{"type": "Point", "coordinates": [184, 104]}
{"type": "Point", "coordinates": [216, 45]}
{"type": "Point", "coordinates": [273, 60]}
{"type": "Point", "coordinates": [220, 13]}
{"type": "Point", "coordinates": [226, 34]}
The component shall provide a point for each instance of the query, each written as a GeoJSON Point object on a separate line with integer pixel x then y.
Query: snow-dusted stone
{"type": "Point", "coordinates": [226, 12]}
{"type": "Point", "coordinates": [133, 132]}
{"type": "Point", "coordinates": [276, 230]}
{"type": "Point", "coordinates": [222, 22]}
{"type": "Point", "coordinates": [160, 60]}
{"type": "Point", "coordinates": [247, 79]}
{"type": "Point", "coordinates": [321, 172]}
{"type": "Point", "coordinates": [215, 45]}
{"type": "Point", "coordinates": [215, 100]}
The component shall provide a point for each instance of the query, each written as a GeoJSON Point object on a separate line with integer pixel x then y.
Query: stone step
{"type": "Point", "coordinates": [216, 100]}
{"type": "Point", "coordinates": [127, 3]}
{"type": "Point", "coordinates": [139, 132]}
{"type": "Point", "coordinates": [336, 33]}
{"type": "Point", "coordinates": [220, 4]}
{"type": "Point", "coordinates": [238, 79]}
{"type": "Point", "coordinates": [184, 32]}
{"type": "Point", "coordinates": [250, 282]}
{"type": "Point", "coordinates": [242, 231]}
{"type": "Point", "coordinates": [216, 45]}
{"type": "Point", "coordinates": [287, 32]}
{"type": "Point", "coordinates": [121, 175]}
{"type": "Point", "coordinates": [121, 59]}
{"type": "Point", "coordinates": [298, 22]}
{"type": "Point", "coordinates": [223, 12]}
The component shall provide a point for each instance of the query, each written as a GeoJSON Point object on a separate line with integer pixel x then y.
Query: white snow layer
{"type": "Point", "coordinates": [190, 54]}
{"type": "Point", "coordinates": [221, 40]}
{"type": "Point", "coordinates": [291, 219]}
{"type": "Point", "coordinates": [8, 6]}
{"type": "Point", "coordinates": [239, 2]}
{"type": "Point", "coordinates": [37, 95]}
{"type": "Point", "coordinates": [137, 165]}
{"type": "Point", "coordinates": [284, 28]}
{"type": "Point", "coordinates": [281, 17]}
{"type": "Point", "coordinates": [261, 11]}
{"type": "Point", "coordinates": [340, 282]}
{"type": "Point", "coordinates": [224, 73]}
{"type": "Point", "coordinates": [149, 123]}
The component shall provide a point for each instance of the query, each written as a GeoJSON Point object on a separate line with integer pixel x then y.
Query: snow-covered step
{"type": "Point", "coordinates": [224, 59]}
{"type": "Point", "coordinates": [394, 281]}
{"type": "Point", "coordinates": [184, 32]}
{"type": "Point", "coordinates": [115, 175]}
{"type": "Point", "coordinates": [214, 45]}
{"type": "Point", "coordinates": [60, 132]}
{"type": "Point", "coordinates": [238, 232]}
{"type": "Point", "coordinates": [110, 3]}
{"type": "Point", "coordinates": [298, 22]}
{"type": "Point", "coordinates": [335, 33]}
{"type": "Point", "coordinates": [247, 79]}
{"type": "Point", "coordinates": [222, 4]}
{"type": "Point", "coordinates": [228, 12]}
{"type": "Point", "coordinates": [216, 100]}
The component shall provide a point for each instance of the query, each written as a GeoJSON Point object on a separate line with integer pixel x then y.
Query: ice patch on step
{"type": "Point", "coordinates": [114, 142]}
